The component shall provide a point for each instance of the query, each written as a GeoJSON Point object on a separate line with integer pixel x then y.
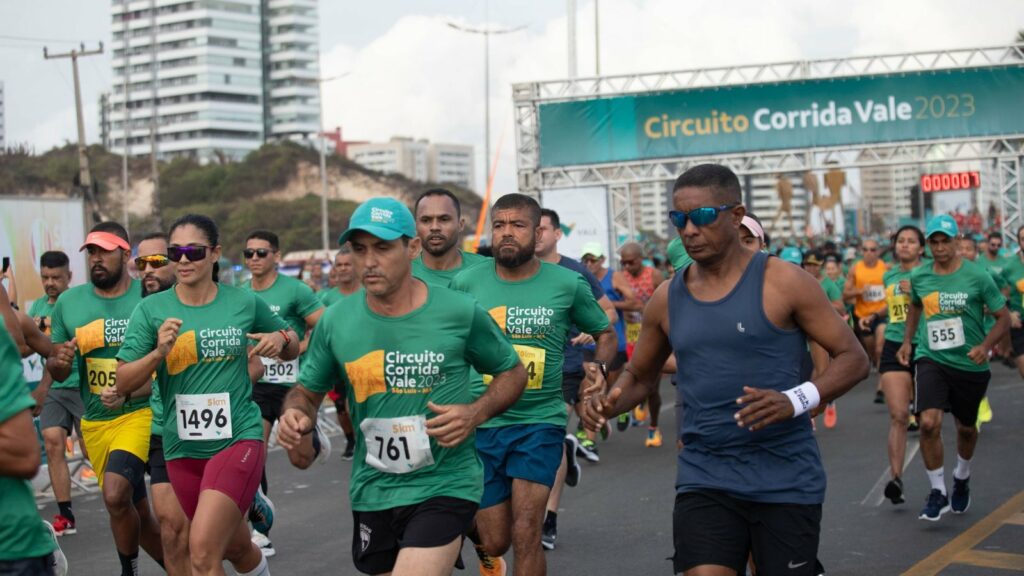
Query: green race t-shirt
{"type": "Point", "coordinates": [1013, 275]}
{"type": "Point", "coordinates": [953, 317]}
{"type": "Point", "coordinates": [205, 378]}
{"type": "Point", "coordinates": [99, 324]}
{"type": "Point", "coordinates": [33, 364]}
{"type": "Point", "coordinates": [536, 314]}
{"type": "Point", "coordinates": [832, 291]}
{"type": "Point", "coordinates": [332, 296]}
{"type": "Point", "coordinates": [445, 277]}
{"type": "Point", "coordinates": [22, 534]}
{"type": "Point", "coordinates": [292, 300]}
{"type": "Point", "coordinates": [897, 302]}
{"type": "Point", "coordinates": [391, 367]}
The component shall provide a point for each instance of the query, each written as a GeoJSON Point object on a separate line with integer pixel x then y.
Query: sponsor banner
{"type": "Point", "coordinates": [584, 216]}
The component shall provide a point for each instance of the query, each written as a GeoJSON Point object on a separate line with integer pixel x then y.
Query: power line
{"type": "Point", "coordinates": [41, 40]}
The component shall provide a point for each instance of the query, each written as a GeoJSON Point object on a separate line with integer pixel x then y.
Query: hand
{"type": "Point", "coordinates": [593, 380]}
{"type": "Point", "coordinates": [111, 399]}
{"type": "Point", "coordinates": [582, 340]}
{"type": "Point", "coordinates": [268, 345]}
{"type": "Point", "coordinates": [905, 286]}
{"type": "Point", "coordinates": [453, 423]}
{"type": "Point", "coordinates": [865, 322]}
{"type": "Point", "coordinates": [761, 408]}
{"type": "Point", "coordinates": [598, 408]}
{"type": "Point", "coordinates": [292, 426]}
{"type": "Point", "coordinates": [903, 354]}
{"type": "Point", "coordinates": [166, 336]}
{"type": "Point", "coordinates": [978, 354]}
{"type": "Point", "coordinates": [1015, 320]}
{"type": "Point", "coordinates": [64, 354]}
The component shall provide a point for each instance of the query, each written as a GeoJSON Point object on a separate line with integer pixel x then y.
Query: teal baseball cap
{"type": "Point", "coordinates": [383, 217]}
{"type": "Point", "coordinates": [942, 224]}
{"type": "Point", "coordinates": [792, 254]}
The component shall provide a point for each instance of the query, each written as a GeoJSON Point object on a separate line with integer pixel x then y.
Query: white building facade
{"type": "Point", "coordinates": [418, 160]}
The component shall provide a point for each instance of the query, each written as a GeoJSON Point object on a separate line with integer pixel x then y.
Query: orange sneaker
{"type": "Point", "coordinates": [490, 565]}
{"type": "Point", "coordinates": [830, 415]}
{"type": "Point", "coordinates": [653, 438]}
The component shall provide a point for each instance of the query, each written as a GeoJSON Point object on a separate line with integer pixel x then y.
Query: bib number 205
{"type": "Point", "coordinates": [203, 416]}
{"type": "Point", "coordinates": [397, 445]}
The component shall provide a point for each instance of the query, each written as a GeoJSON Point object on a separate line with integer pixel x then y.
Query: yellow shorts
{"type": "Point", "coordinates": [129, 433]}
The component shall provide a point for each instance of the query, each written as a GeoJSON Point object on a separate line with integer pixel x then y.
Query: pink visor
{"type": "Point", "coordinates": [104, 240]}
{"type": "Point", "coordinates": [752, 225]}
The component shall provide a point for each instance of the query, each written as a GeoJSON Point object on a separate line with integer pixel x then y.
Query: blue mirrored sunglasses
{"type": "Point", "coordinates": [699, 216]}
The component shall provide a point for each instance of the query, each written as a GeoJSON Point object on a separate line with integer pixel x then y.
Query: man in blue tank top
{"type": "Point", "coordinates": [750, 481]}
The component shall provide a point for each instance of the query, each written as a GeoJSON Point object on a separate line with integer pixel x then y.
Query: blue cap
{"type": "Point", "coordinates": [792, 254]}
{"type": "Point", "coordinates": [385, 218]}
{"type": "Point", "coordinates": [942, 224]}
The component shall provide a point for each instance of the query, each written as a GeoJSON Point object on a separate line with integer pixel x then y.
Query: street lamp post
{"type": "Point", "coordinates": [324, 232]}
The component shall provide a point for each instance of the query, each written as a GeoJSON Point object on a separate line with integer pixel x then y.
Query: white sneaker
{"type": "Point", "coordinates": [325, 444]}
{"type": "Point", "coordinates": [263, 543]}
{"type": "Point", "coordinates": [60, 561]}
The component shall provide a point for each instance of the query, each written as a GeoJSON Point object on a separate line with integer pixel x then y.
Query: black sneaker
{"type": "Point", "coordinates": [894, 491]}
{"type": "Point", "coordinates": [961, 499]}
{"type": "Point", "coordinates": [935, 507]}
{"type": "Point", "coordinates": [572, 465]}
{"type": "Point", "coordinates": [879, 397]}
{"type": "Point", "coordinates": [912, 424]}
{"type": "Point", "coordinates": [548, 536]}
{"type": "Point", "coordinates": [350, 449]}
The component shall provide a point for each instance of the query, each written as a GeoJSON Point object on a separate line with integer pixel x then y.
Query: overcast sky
{"type": "Point", "coordinates": [410, 74]}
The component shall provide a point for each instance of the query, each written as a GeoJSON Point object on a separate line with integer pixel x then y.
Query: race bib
{"type": "Point", "coordinates": [32, 368]}
{"type": "Point", "coordinates": [397, 445]}
{"type": "Point", "coordinates": [101, 372]}
{"type": "Point", "coordinates": [899, 306]}
{"type": "Point", "coordinates": [874, 293]}
{"type": "Point", "coordinates": [280, 372]}
{"type": "Point", "coordinates": [203, 416]}
{"type": "Point", "coordinates": [946, 334]}
{"type": "Point", "coordinates": [533, 361]}
{"type": "Point", "coordinates": [633, 332]}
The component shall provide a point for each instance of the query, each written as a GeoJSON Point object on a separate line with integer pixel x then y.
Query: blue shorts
{"type": "Point", "coordinates": [531, 452]}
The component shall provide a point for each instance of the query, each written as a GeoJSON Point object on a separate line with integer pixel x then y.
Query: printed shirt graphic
{"type": "Point", "coordinates": [99, 324]}
{"type": "Point", "coordinates": [964, 294]}
{"type": "Point", "coordinates": [1013, 275]}
{"type": "Point", "coordinates": [292, 300]}
{"type": "Point", "coordinates": [43, 308]}
{"type": "Point", "coordinates": [536, 315]}
{"type": "Point", "coordinates": [898, 303]}
{"type": "Point", "coordinates": [391, 367]}
{"type": "Point", "coordinates": [209, 357]}
{"type": "Point", "coordinates": [22, 533]}
{"type": "Point", "coordinates": [445, 277]}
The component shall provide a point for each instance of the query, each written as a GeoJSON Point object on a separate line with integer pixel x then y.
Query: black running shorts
{"type": "Point", "coordinates": [939, 387]}
{"type": "Point", "coordinates": [270, 399]}
{"type": "Point", "coordinates": [888, 361]}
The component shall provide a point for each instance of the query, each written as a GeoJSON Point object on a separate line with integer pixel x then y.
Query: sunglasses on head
{"type": "Point", "coordinates": [699, 216]}
{"type": "Point", "coordinates": [154, 260]}
{"type": "Point", "coordinates": [193, 253]}
{"type": "Point", "coordinates": [261, 252]}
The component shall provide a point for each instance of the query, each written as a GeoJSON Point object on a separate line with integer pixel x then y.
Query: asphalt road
{"type": "Point", "coordinates": [618, 521]}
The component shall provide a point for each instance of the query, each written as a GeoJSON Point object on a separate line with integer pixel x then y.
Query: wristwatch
{"type": "Point", "coordinates": [604, 369]}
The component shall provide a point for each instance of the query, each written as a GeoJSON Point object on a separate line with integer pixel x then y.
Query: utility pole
{"type": "Point", "coordinates": [84, 176]}
{"type": "Point", "coordinates": [153, 117]}
{"type": "Point", "coordinates": [597, 39]}
{"type": "Point", "coordinates": [127, 117]}
{"type": "Point", "coordinates": [570, 8]}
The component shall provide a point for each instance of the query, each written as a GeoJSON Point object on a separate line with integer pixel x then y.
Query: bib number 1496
{"type": "Point", "coordinates": [203, 416]}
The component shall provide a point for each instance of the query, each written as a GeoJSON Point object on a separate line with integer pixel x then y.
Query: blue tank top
{"type": "Point", "coordinates": [720, 347]}
{"type": "Point", "coordinates": [620, 324]}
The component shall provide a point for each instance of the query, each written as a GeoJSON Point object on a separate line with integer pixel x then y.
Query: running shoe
{"type": "Point", "coordinates": [548, 537]}
{"type": "Point", "coordinates": [879, 397]}
{"type": "Point", "coordinates": [935, 507]}
{"type": "Point", "coordinates": [961, 499]}
{"type": "Point", "coordinates": [588, 450]}
{"type": "Point", "coordinates": [490, 565]}
{"type": "Point", "coordinates": [88, 475]}
{"type": "Point", "coordinates": [62, 526]}
{"type": "Point", "coordinates": [350, 449]}
{"type": "Point", "coordinates": [912, 425]}
{"type": "Point", "coordinates": [894, 491]}
{"type": "Point", "coordinates": [606, 431]}
{"type": "Point", "coordinates": [572, 465]}
{"type": "Point", "coordinates": [830, 415]}
{"type": "Point", "coordinates": [622, 422]}
{"type": "Point", "coordinates": [261, 513]}
{"type": "Point", "coordinates": [639, 414]}
{"type": "Point", "coordinates": [984, 413]}
{"type": "Point", "coordinates": [653, 438]}
{"type": "Point", "coordinates": [60, 561]}
{"type": "Point", "coordinates": [263, 543]}
{"type": "Point", "coordinates": [325, 444]}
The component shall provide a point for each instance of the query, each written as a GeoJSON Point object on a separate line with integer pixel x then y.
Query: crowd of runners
{"type": "Point", "coordinates": [469, 386]}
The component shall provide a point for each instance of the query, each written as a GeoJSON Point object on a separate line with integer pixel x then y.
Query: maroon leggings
{"type": "Point", "coordinates": [234, 471]}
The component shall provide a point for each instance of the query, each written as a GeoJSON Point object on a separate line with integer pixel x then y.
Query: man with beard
{"type": "Point", "coordinates": [88, 325]}
{"type": "Point", "coordinates": [439, 226]}
{"type": "Point", "coordinates": [60, 404]}
{"type": "Point", "coordinates": [534, 303]}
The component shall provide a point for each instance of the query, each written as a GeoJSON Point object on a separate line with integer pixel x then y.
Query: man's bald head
{"type": "Point", "coordinates": [631, 255]}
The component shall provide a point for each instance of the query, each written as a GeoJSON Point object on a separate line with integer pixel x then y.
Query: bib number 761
{"type": "Point", "coordinates": [397, 445]}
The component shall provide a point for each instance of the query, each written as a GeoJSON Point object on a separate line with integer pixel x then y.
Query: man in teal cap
{"type": "Point", "coordinates": [949, 299]}
{"type": "Point", "coordinates": [677, 255]}
{"type": "Point", "coordinates": [792, 254]}
{"type": "Point", "coordinates": [403, 349]}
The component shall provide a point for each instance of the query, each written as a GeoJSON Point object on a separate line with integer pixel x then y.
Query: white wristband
{"type": "Point", "coordinates": [803, 397]}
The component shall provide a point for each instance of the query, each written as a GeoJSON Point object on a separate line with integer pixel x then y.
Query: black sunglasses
{"type": "Point", "coordinates": [193, 253]}
{"type": "Point", "coordinates": [261, 252]}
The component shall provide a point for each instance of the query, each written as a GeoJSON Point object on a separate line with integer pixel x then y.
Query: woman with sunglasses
{"type": "Point", "coordinates": [195, 337]}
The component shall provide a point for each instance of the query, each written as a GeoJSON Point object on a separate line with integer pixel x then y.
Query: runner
{"type": "Point", "coordinates": [295, 302]}
{"type": "Point", "coordinates": [644, 280]}
{"type": "Point", "coordinates": [811, 263]}
{"type": "Point", "coordinates": [346, 284]}
{"type": "Point", "coordinates": [535, 303]}
{"type": "Point", "coordinates": [967, 248]}
{"type": "Point", "coordinates": [416, 481]}
{"type": "Point", "coordinates": [439, 225]}
{"type": "Point", "coordinates": [60, 405]}
{"type": "Point", "coordinates": [752, 235]}
{"type": "Point", "coordinates": [88, 325]}
{"type": "Point", "coordinates": [952, 360]}
{"type": "Point", "coordinates": [1013, 274]}
{"type": "Point", "coordinates": [865, 289]}
{"type": "Point", "coordinates": [896, 379]}
{"type": "Point", "coordinates": [194, 337]}
{"type": "Point", "coordinates": [750, 478]}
